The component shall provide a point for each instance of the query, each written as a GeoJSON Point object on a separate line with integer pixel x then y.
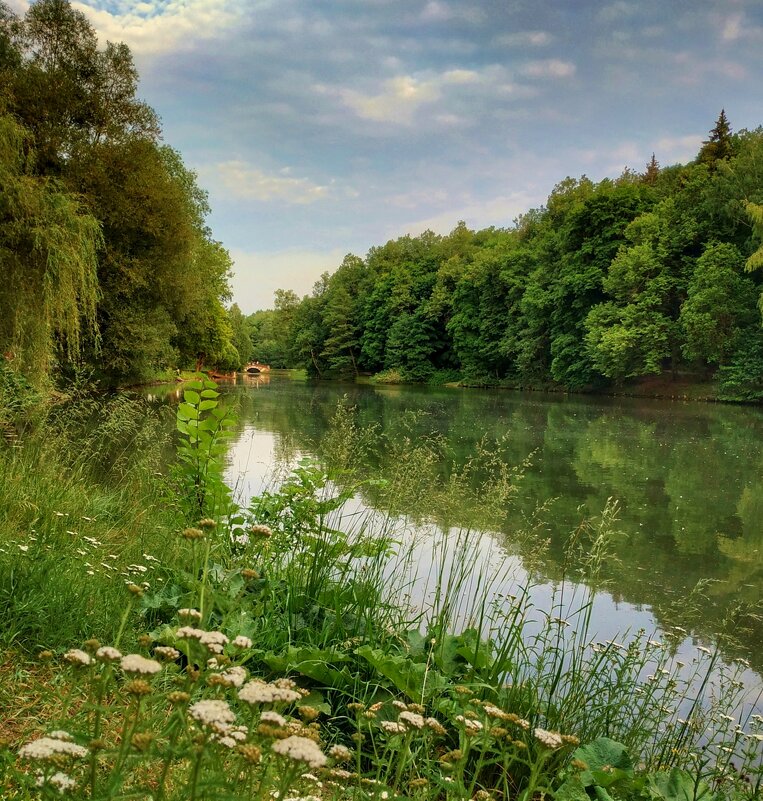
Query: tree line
{"type": "Point", "coordinates": [608, 282]}
{"type": "Point", "coordinates": [106, 258]}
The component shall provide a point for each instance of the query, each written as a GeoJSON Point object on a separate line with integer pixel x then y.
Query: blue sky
{"type": "Point", "coordinates": [322, 127]}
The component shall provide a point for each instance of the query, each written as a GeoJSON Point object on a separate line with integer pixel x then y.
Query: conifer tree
{"type": "Point", "coordinates": [718, 145]}
{"type": "Point", "coordinates": [652, 171]}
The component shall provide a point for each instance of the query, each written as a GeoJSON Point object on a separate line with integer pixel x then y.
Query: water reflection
{"type": "Point", "coordinates": [688, 477]}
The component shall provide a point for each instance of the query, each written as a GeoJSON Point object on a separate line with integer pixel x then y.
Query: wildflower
{"type": "Point", "coordinates": [551, 739]}
{"type": "Point", "coordinates": [260, 530]}
{"type": "Point", "coordinates": [415, 784]}
{"type": "Point", "coordinates": [498, 732]}
{"type": "Point", "coordinates": [48, 748]}
{"type": "Point", "coordinates": [258, 692]}
{"type": "Point", "coordinates": [193, 614]}
{"type": "Point", "coordinates": [145, 640]}
{"type": "Point", "coordinates": [308, 713]}
{"type": "Point", "coordinates": [108, 654]}
{"type": "Point", "coordinates": [78, 657]}
{"type": "Point", "coordinates": [517, 721]}
{"type": "Point", "coordinates": [61, 735]}
{"type": "Point", "coordinates": [178, 697]}
{"type": "Point", "coordinates": [251, 753]}
{"type": "Point", "coordinates": [138, 687]}
{"type": "Point", "coordinates": [354, 706]}
{"type": "Point", "coordinates": [494, 712]}
{"type": "Point", "coordinates": [214, 641]}
{"type": "Point", "coordinates": [192, 534]}
{"type": "Point", "coordinates": [135, 590]}
{"type": "Point", "coordinates": [23, 548]}
{"type": "Point", "coordinates": [471, 726]}
{"type": "Point", "coordinates": [416, 708]}
{"type": "Point", "coordinates": [135, 663]}
{"type": "Point", "coordinates": [45, 656]}
{"type": "Point", "coordinates": [241, 539]}
{"type": "Point", "coordinates": [704, 650]}
{"type": "Point", "coordinates": [207, 522]}
{"type": "Point", "coordinates": [436, 726]}
{"type": "Point", "coordinates": [340, 753]}
{"type": "Point", "coordinates": [400, 705]}
{"type": "Point", "coordinates": [273, 718]}
{"type": "Point", "coordinates": [189, 633]}
{"type": "Point", "coordinates": [167, 653]}
{"type": "Point", "coordinates": [242, 642]}
{"type": "Point", "coordinates": [211, 712]}
{"type": "Point", "coordinates": [411, 719]}
{"type": "Point", "coordinates": [301, 749]}
{"type": "Point", "coordinates": [59, 780]}
{"type": "Point", "coordinates": [232, 677]}
{"type": "Point", "coordinates": [392, 727]}
{"type": "Point", "coordinates": [248, 573]}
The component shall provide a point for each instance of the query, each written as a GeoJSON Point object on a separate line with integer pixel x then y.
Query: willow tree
{"type": "Point", "coordinates": [48, 260]}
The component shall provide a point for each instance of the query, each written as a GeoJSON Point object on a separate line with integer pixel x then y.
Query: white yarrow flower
{"type": "Point", "coordinates": [50, 747]}
{"type": "Point", "coordinates": [78, 657]}
{"type": "Point", "coordinates": [108, 654]}
{"type": "Point", "coordinates": [258, 692]}
{"type": "Point", "coordinates": [212, 713]}
{"type": "Point", "coordinates": [135, 663]}
{"type": "Point", "coordinates": [242, 642]}
{"type": "Point", "coordinates": [301, 749]}
{"type": "Point", "coordinates": [551, 739]}
{"type": "Point", "coordinates": [411, 719]}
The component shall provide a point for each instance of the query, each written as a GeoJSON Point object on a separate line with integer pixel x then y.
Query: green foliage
{"type": "Point", "coordinates": [204, 427]}
{"type": "Point", "coordinates": [102, 231]}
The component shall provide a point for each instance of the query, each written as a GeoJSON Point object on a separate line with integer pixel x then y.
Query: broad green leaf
{"type": "Point", "coordinates": [409, 677]}
{"type": "Point", "coordinates": [601, 757]}
{"type": "Point", "coordinates": [189, 396]}
{"type": "Point", "coordinates": [205, 405]}
{"type": "Point", "coordinates": [677, 786]}
{"type": "Point", "coordinates": [187, 412]}
{"type": "Point", "coordinates": [210, 393]}
{"type": "Point", "coordinates": [193, 385]}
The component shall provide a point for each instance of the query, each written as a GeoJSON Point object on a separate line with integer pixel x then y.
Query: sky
{"type": "Point", "coordinates": [324, 127]}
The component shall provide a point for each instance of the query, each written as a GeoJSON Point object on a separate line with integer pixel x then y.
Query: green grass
{"type": "Point", "coordinates": [374, 625]}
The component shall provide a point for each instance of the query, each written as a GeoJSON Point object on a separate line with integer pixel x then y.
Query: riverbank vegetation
{"type": "Point", "coordinates": [109, 266]}
{"type": "Point", "coordinates": [289, 645]}
{"type": "Point", "coordinates": [608, 284]}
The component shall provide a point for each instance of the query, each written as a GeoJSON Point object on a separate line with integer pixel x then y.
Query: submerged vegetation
{"type": "Point", "coordinates": [290, 646]}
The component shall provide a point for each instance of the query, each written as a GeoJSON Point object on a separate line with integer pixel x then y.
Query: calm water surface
{"type": "Point", "coordinates": [688, 478]}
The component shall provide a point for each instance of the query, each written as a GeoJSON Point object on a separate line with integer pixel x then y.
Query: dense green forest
{"type": "Point", "coordinates": [647, 274]}
{"type": "Point", "coordinates": [106, 258]}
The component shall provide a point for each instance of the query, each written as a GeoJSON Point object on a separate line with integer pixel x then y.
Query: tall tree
{"type": "Point", "coordinates": [718, 146]}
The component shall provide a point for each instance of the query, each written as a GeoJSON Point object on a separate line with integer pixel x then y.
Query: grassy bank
{"type": "Point", "coordinates": [165, 642]}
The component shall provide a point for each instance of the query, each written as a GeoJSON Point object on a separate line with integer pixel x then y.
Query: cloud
{"type": "Point", "coordinates": [677, 149]}
{"type": "Point", "coordinates": [548, 68]}
{"type": "Point", "coordinates": [619, 10]}
{"type": "Point", "coordinates": [161, 26]}
{"type": "Point", "coordinates": [257, 275]}
{"type": "Point", "coordinates": [524, 39]}
{"type": "Point", "coordinates": [437, 11]}
{"type": "Point", "coordinates": [500, 211]}
{"type": "Point", "coordinates": [245, 181]}
{"type": "Point", "coordinates": [400, 98]}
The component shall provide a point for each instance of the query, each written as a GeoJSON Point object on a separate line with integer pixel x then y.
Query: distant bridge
{"type": "Point", "coordinates": [256, 367]}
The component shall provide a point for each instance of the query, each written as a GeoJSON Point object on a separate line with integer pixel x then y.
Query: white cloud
{"type": "Point", "coordinates": [257, 275]}
{"type": "Point", "coordinates": [243, 180]}
{"type": "Point", "coordinates": [400, 98]}
{"type": "Point", "coordinates": [677, 149]}
{"type": "Point", "coordinates": [151, 28]}
{"type": "Point", "coordinates": [499, 211]}
{"type": "Point", "coordinates": [548, 68]}
{"type": "Point", "coordinates": [437, 11]}
{"type": "Point", "coordinates": [524, 38]}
